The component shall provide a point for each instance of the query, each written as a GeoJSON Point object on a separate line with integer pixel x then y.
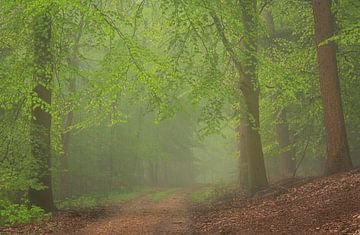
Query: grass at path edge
{"type": "Point", "coordinates": [157, 196]}
{"type": "Point", "coordinates": [96, 200]}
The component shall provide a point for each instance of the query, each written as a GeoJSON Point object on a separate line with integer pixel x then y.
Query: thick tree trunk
{"type": "Point", "coordinates": [338, 156]}
{"type": "Point", "coordinates": [249, 87]}
{"type": "Point", "coordinates": [287, 161]}
{"type": "Point", "coordinates": [250, 90]}
{"type": "Point", "coordinates": [253, 149]}
{"type": "Point", "coordinates": [41, 124]}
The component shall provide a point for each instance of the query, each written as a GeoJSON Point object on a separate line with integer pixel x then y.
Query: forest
{"type": "Point", "coordinates": [180, 116]}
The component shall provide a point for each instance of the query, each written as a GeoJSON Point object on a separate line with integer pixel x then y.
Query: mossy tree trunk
{"type": "Point", "coordinates": [41, 123]}
{"type": "Point", "coordinates": [250, 90]}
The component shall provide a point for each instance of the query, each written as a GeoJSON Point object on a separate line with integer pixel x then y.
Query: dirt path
{"type": "Point", "coordinates": [324, 205]}
{"type": "Point", "coordinates": [145, 216]}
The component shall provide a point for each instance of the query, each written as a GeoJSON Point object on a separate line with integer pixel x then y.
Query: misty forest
{"type": "Point", "coordinates": [180, 116]}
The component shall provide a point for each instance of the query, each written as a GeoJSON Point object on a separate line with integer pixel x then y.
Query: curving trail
{"type": "Point", "coordinates": [145, 216]}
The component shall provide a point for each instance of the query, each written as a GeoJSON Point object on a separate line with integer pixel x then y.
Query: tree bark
{"type": "Point", "coordinates": [66, 136]}
{"type": "Point", "coordinates": [286, 156]}
{"type": "Point", "coordinates": [41, 124]}
{"type": "Point", "coordinates": [243, 159]}
{"type": "Point", "coordinates": [287, 161]}
{"type": "Point", "coordinates": [64, 162]}
{"type": "Point", "coordinates": [249, 87]}
{"type": "Point", "coordinates": [338, 156]}
{"type": "Point", "coordinates": [250, 91]}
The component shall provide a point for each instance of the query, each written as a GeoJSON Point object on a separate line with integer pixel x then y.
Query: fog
{"type": "Point", "coordinates": [101, 98]}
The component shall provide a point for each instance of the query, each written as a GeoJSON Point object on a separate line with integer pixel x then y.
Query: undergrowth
{"type": "Point", "coordinates": [13, 214]}
{"type": "Point", "coordinates": [157, 196]}
{"type": "Point", "coordinates": [211, 192]}
{"type": "Point", "coordinates": [95, 200]}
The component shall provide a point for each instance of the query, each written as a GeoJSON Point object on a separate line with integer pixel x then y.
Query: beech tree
{"type": "Point", "coordinates": [105, 96]}
{"type": "Point", "coordinates": [41, 123]}
{"type": "Point", "coordinates": [69, 120]}
{"type": "Point", "coordinates": [338, 156]}
{"type": "Point", "coordinates": [286, 157]}
{"type": "Point", "coordinates": [250, 89]}
{"type": "Point", "coordinates": [251, 163]}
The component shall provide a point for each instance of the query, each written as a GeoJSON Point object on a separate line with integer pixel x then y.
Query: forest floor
{"type": "Point", "coordinates": [162, 212]}
{"type": "Point", "coordinates": [326, 205]}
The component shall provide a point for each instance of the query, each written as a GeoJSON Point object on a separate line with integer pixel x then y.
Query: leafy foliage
{"type": "Point", "coordinates": [140, 88]}
{"type": "Point", "coordinates": [12, 214]}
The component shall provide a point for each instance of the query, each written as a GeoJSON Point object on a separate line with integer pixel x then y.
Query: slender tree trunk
{"type": "Point", "coordinates": [338, 156]}
{"type": "Point", "coordinates": [156, 172]}
{"type": "Point", "coordinates": [250, 90]}
{"type": "Point", "coordinates": [66, 136]}
{"type": "Point", "coordinates": [151, 173]}
{"type": "Point", "coordinates": [286, 156]}
{"type": "Point", "coordinates": [287, 161]}
{"type": "Point", "coordinates": [166, 176]}
{"type": "Point", "coordinates": [41, 124]}
{"type": "Point", "coordinates": [64, 162]}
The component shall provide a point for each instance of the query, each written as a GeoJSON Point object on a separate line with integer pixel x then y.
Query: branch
{"type": "Point", "coordinates": [227, 45]}
{"type": "Point", "coordinates": [140, 8]}
{"type": "Point", "coordinates": [112, 24]}
{"type": "Point", "coordinates": [264, 6]}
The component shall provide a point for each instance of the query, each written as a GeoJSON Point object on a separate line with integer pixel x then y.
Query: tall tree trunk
{"type": "Point", "coordinates": [66, 136]}
{"type": "Point", "coordinates": [286, 156]}
{"type": "Point", "coordinates": [41, 124]}
{"type": "Point", "coordinates": [64, 162]}
{"type": "Point", "coordinates": [338, 156]}
{"type": "Point", "coordinates": [287, 161]}
{"type": "Point", "coordinates": [249, 87]}
{"type": "Point", "coordinates": [250, 90]}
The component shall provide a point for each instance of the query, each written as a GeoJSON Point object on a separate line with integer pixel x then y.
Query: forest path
{"type": "Point", "coordinates": [146, 216]}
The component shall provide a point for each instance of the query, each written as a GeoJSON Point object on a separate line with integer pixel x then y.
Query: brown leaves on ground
{"type": "Point", "coordinates": [328, 205]}
{"type": "Point", "coordinates": [140, 216]}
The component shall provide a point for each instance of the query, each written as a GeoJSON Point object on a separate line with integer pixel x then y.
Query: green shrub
{"type": "Point", "coordinates": [12, 214]}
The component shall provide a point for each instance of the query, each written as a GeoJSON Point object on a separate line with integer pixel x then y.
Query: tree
{"type": "Point", "coordinates": [250, 90]}
{"type": "Point", "coordinates": [287, 162]}
{"type": "Point", "coordinates": [243, 164]}
{"type": "Point", "coordinates": [69, 120]}
{"type": "Point", "coordinates": [41, 123]}
{"type": "Point", "coordinates": [286, 156]}
{"type": "Point", "coordinates": [338, 156]}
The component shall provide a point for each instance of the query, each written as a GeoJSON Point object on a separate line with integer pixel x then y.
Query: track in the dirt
{"type": "Point", "coordinates": [145, 216]}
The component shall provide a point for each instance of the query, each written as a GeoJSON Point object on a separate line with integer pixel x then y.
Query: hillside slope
{"type": "Point", "coordinates": [327, 205]}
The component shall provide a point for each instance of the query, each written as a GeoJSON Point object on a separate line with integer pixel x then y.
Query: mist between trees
{"type": "Point", "coordinates": [112, 96]}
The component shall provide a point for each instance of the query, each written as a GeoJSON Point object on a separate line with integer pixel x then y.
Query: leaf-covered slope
{"type": "Point", "coordinates": [328, 205]}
